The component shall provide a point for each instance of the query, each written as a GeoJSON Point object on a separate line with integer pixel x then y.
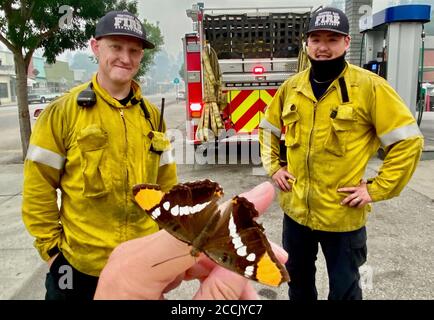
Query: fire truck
{"type": "Point", "coordinates": [235, 60]}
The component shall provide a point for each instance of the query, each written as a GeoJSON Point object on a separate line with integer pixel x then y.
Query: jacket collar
{"type": "Point", "coordinates": [304, 87]}
{"type": "Point", "coordinates": [101, 92]}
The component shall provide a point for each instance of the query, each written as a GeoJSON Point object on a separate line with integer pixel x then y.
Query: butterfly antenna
{"type": "Point", "coordinates": [170, 259]}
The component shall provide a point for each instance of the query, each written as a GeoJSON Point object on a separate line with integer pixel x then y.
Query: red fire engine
{"type": "Point", "coordinates": [257, 50]}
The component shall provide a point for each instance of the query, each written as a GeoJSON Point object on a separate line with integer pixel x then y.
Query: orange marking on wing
{"type": "Point", "coordinates": [268, 272]}
{"type": "Point", "coordinates": [148, 198]}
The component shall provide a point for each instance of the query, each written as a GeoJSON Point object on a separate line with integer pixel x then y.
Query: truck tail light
{"type": "Point", "coordinates": [196, 110]}
{"type": "Point", "coordinates": [258, 70]}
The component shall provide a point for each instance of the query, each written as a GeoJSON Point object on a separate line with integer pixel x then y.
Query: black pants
{"type": "Point", "coordinates": [344, 253]}
{"type": "Point", "coordinates": [64, 282]}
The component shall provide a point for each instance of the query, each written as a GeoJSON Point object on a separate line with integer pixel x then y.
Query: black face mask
{"type": "Point", "coordinates": [324, 70]}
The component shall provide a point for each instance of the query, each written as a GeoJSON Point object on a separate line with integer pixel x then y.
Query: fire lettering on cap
{"type": "Point", "coordinates": [327, 18]}
{"type": "Point", "coordinates": [128, 23]}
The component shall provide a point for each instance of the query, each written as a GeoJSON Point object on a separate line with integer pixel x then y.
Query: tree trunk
{"type": "Point", "coordinates": [23, 105]}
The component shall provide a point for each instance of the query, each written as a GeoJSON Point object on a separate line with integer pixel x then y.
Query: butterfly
{"type": "Point", "coordinates": [229, 236]}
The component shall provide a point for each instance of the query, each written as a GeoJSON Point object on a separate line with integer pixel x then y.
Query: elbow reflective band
{"type": "Point", "coordinates": [267, 125]}
{"type": "Point", "coordinates": [166, 158]}
{"type": "Point", "coordinates": [44, 156]}
{"type": "Point", "coordinates": [399, 134]}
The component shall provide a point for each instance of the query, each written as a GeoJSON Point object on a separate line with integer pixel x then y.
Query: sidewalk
{"type": "Point", "coordinates": [22, 271]}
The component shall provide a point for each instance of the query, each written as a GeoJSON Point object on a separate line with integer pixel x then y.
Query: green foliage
{"type": "Point", "coordinates": [182, 71]}
{"type": "Point", "coordinates": [154, 35]}
{"type": "Point", "coordinates": [54, 25]}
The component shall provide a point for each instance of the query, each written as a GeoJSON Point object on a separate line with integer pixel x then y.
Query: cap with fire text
{"type": "Point", "coordinates": [329, 19]}
{"type": "Point", "coordinates": [122, 23]}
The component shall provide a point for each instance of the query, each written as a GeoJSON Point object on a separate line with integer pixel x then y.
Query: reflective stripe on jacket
{"type": "Point", "coordinates": [329, 143]}
{"type": "Point", "coordinates": [94, 155]}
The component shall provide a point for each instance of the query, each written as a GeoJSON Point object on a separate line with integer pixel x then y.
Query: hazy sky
{"type": "Point", "coordinates": [174, 22]}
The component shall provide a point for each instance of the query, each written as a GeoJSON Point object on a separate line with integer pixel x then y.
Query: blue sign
{"type": "Point", "coordinates": [176, 81]}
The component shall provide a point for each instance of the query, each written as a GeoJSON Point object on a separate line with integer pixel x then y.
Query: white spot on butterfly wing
{"type": "Point", "coordinates": [249, 271]}
{"type": "Point", "coordinates": [156, 213]}
{"type": "Point", "coordinates": [166, 205]}
{"type": "Point", "coordinates": [194, 209]}
{"type": "Point", "coordinates": [232, 227]}
{"type": "Point", "coordinates": [237, 242]}
{"type": "Point", "coordinates": [242, 252]}
{"type": "Point", "coordinates": [184, 211]}
{"type": "Point", "coordinates": [251, 257]}
{"type": "Point", "coordinates": [175, 210]}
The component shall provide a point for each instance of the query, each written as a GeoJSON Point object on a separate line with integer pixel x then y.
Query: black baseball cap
{"type": "Point", "coordinates": [122, 23]}
{"type": "Point", "coordinates": [329, 19]}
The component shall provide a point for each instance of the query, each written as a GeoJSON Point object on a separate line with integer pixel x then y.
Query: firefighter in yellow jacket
{"type": "Point", "coordinates": [93, 144]}
{"type": "Point", "coordinates": [334, 116]}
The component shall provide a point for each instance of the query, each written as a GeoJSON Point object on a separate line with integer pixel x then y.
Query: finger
{"type": "Point", "coordinates": [249, 293]}
{"type": "Point", "coordinates": [355, 201]}
{"type": "Point", "coordinates": [290, 176]}
{"type": "Point", "coordinates": [348, 189]}
{"type": "Point", "coordinates": [221, 284]}
{"type": "Point", "coordinates": [279, 184]}
{"type": "Point", "coordinates": [361, 204]}
{"type": "Point", "coordinates": [288, 186]}
{"type": "Point", "coordinates": [280, 253]}
{"type": "Point", "coordinates": [201, 269]}
{"type": "Point", "coordinates": [261, 196]}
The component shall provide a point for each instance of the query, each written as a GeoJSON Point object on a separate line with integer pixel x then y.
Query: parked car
{"type": "Point", "coordinates": [42, 97]}
{"type": "Point", "coordinates": [180, 95]}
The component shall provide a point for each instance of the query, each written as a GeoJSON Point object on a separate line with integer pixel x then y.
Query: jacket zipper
{"type": "Point", "coordinates": [307, 164]}
{"type": "Point", "coordinates": [121, 111]}
{"type": "Point", "coordinates": [329, 89]}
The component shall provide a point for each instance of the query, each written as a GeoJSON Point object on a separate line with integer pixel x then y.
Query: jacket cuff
{"type": "Point", "coordinates": [47, 249]}
{"type": "Point", "coordinates": [274, 168]}
{"type": "Point", "coordinates": [374, 192]}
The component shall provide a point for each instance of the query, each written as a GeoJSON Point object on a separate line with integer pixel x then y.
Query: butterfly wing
{"type": "Point", "coordinates": [240, 245]}
{"type": "Point", "coordinates": [186, 209]}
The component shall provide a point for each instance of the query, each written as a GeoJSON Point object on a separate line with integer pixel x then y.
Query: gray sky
{"type": "Point", "coordinates": [174, 23]}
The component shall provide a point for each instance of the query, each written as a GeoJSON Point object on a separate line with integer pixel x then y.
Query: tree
{"type": "Point", "coordinates": [54, 25]}
{"type": "Point", "coordinates": [182, 71]}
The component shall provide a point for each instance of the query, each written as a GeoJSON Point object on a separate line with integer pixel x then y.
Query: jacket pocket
{"type": "Point", "coordinates": [342, 121]}
{"type": "Point", "coordinates": [93, 142]}
{"type": "Point", "coordinates": [292, 127]}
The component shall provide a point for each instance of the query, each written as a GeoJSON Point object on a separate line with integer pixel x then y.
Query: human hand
{"type": "Point", "coordinates": [281, 177]}
{"type": "Point", "coordinates": [359, 196]}
{"type": "Point", "coordinates": [148, 267]}
{"type": "Point", "coordinates": [51, 260]}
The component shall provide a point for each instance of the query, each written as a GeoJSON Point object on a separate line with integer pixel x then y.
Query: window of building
{"type": "Point", "coordinates": [4, 90]}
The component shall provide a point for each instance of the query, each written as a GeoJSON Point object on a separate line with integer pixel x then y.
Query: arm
{"type": "Point", "coordinates": [42, 171]}
{"type": "Point", "coordinates": [167, 175]}
{"type": "Point", "coordinates": [270, 130]}
{"type": "Point", "coordinates": [402, 139]}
